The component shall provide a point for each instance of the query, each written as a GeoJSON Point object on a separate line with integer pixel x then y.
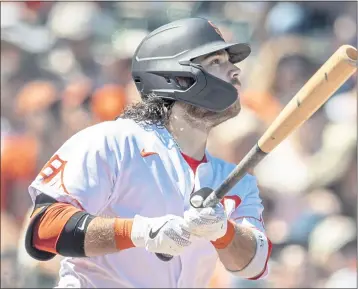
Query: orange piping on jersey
{"type": "Point", "coordinates": [78, 204]}
{"type": "Point", "coordinates": [49, 228]}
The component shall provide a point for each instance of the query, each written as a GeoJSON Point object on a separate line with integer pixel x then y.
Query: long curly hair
{"type": "Point", "coordinates": [151, 110]}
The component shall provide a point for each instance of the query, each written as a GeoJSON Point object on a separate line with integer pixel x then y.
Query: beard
{"type": "Point", "coordinates": [206, 119]}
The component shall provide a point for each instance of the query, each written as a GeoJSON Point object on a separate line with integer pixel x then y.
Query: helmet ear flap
{"type": "Point", "coordinates": [184, 82]}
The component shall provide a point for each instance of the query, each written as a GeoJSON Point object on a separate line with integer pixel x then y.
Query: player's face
{"type": "Point", "coordinates": [217, 64]}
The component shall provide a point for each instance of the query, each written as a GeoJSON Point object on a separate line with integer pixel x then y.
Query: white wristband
{"type": "Point", "coordinates": [139, 230]}
{"type": "Point", "coordinates": [257, 264]}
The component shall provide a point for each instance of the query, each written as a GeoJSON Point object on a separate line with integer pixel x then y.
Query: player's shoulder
{"type": "Point", "coordinates": [119, 128]}
{"type": "Point", "coordinates": [248, 182]}
{"type": "Point", "coordinates": [116, 135]}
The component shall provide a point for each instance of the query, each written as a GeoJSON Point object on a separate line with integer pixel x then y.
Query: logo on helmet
{"type": "Point", "coordinates": [216, 29]}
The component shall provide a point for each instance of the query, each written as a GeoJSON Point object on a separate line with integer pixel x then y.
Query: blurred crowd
{"type": "Point", "coordinates": [66, 66]}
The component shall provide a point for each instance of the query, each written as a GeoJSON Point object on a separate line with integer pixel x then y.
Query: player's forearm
{"type": "Point", "coordinates": [240, 251]}
{"type": "Point", "coordinates": [100, 237]}
{"type": "Point", "coordinates": [244, 251]}
{"type": "Point", "coordinates": [106, 236]}
{"type": "Point", "coordinates": [62, 229]}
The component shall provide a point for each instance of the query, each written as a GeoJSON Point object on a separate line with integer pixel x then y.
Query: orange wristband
{"type": "Point", "coordinates": [225, 240]}
{"type": "Point", "coordinates": [122, 233]}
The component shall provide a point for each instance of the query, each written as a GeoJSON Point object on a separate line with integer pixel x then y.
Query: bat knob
{"type": "Point", "coordinates": [197, 198]}
{"type": "Point", "coordinates": [197, 201]}
{"type": "Point", "coordinates": [164, 257]}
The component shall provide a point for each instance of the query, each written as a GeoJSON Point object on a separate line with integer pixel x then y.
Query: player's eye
{"type": "Point", "coordinates": [215, 61]}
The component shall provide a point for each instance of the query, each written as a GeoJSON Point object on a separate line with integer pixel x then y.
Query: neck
{"type": "Point", "coordinates": [190, 137]}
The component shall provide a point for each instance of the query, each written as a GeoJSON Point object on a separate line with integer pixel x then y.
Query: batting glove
{"type": "Point", "coordinates": [167, 235]}
{"type": "Point", "coordinates": [208, 223]}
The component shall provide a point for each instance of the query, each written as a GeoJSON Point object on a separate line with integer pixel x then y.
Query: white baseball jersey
{"type": "Point", "coordinates": [120, 169]}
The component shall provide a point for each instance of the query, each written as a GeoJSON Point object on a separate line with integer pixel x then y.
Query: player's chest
{"type": "Point", "coordinates": [159, 183]}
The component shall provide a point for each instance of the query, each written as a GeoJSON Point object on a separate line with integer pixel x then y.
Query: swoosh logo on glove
{"type": "Point", "coordinates": [152, 234]}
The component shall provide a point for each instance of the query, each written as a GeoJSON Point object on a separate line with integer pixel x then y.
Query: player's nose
{"type": "Point", "coordinates": [235, 72]}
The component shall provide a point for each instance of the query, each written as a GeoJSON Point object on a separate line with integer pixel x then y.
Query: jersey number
{"type": "Point", "coordinates": [52, 168]}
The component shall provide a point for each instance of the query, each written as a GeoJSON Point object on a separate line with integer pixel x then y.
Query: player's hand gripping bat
{"type": "Point", "coordinates": [321, 86]}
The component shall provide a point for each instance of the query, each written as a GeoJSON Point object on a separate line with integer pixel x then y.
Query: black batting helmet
{"type": "Point", "coordinates": [167, 53]}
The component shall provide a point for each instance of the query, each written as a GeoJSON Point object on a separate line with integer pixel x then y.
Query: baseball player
{"type": "Point", "coordinates": [115, 198]}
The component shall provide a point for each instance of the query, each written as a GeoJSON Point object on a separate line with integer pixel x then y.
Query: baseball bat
{"type": "Point", "coordinates": [315, 92]}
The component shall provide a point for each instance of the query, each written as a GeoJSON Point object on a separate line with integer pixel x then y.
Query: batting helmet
{"type": "Point", "coordinates": [167, 53]}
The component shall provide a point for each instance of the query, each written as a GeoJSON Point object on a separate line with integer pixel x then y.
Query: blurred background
{"type": "Point", "coordinates": [66, 65]}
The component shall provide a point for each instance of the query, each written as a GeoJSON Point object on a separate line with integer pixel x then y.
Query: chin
{"type": "Point", "coordinates": [220, 117]}
{"type": "Point", "coordinates": [207, 119]}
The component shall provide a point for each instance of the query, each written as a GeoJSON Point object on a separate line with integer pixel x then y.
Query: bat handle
{"type": "Point", "coordinates": [252, 158]}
